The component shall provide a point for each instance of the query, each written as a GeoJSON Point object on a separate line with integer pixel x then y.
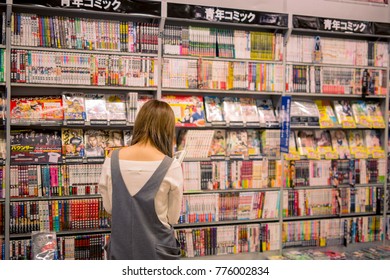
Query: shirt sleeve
{"type": "Point", "coordinates": [175, 195]}
{"type": "Point", "coordinates": [105, 185]}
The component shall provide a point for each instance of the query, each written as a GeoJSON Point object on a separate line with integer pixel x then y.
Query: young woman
{"type": "Point", "coordinates": [142, 187]}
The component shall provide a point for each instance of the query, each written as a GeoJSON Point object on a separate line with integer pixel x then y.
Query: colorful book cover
{"type": "Point", "coordinates": [116, 107]}
{"type": "Point", "coordinates": [218, 144]}
{"type": "Point", "coordinates": [26, 108]}
{"type": "Point", "coordinates": [305, 143]}
{"type": "Point", "coordinates": [340, 143]}
{"type": "Point", "coordinates": [343, 111]}
{"type": "Point", "coordinates": [52, 108]}
{"type": "Point", "coordinates": [74, 108]}
{"type": "Point", "coordinates": [373, 143]}
{"type": "Point", "coordinates": [213, 108]}
{"type": "Point", "coordinates": [356, 143]}
{"type": "Point", "coordinates": [35, 146]}
{"type": "Point", "coordinates": [189, 110]}
{"type": "Point", "coordinates": [232, 110]}
{"type": "Point", "coordinates": [303, 112]}
{"type": "Point", "coordinates": [360, 113]}
{"type": "Point", "coordinates": [95, 106]}
{"type": "Point", "coordinates": [375, 114]}
{"type": "Point", "coordinates": [254, 144]}
{"type": "Point", "coordinates": [114, 140]}
{"type": "Point", "coordinates": [327, 117]}
{"type": "Point", "coordinates": [95, 143]}
{"type": "Point", "coordinates": [323, 142]}
{"type": "Point", "coordinates": [249, 110]}
{"type": "Point", "coordinates": [237, 142]}
{"type": "Point", "coordinates": [72, 142]}
{"type": "Point", "coordinates": [127, 137]}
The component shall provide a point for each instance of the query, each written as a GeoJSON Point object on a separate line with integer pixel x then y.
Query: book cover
{"type": "Point", "coordinates": [95, 143]}
{"type": "Point", "coordinates": [323, 142]}
{"type": "Point", "coordinates": [74, 108]}
{"type": "Point", "coordinates": [249, 110]}
{"type": "Point", "coordinates": [373, 143]}
{"type": "Point", "coordinates": [114, 140]}
{"type": "Point", "coordinates": [95, 106]}
{"type": "Point", "coordinates": [327, 117]}
{"type": "Point", "coordinates": [36, 146]}
{"type": "Point", "coordinates": [116, 107]}
{"type": "Point", "coordinates": [26, 109]}
{"type": "Point", "coordinates": [375, 115]}
{"type": "Point", "coordinates": [72, 142]}
{"type": "Point", "coordinates": [254, 144]}
{"type": "Point", "coordinates": [340, 143]}
{"type": "Point", "coordinates": [232, 110]}
{"type": "Point", "coordinates": [213, 106]}
{"type": "Point", "coordinates": [356, 143]}
{"type": "Point", "coordinates": [360, 113]}
{"type": "Point", "coordinates": [343, 111]}
{"type": "Point", "coordinates": [266, 112]}
{"type": "Point", "coordinates": [237, 142]}
{"type": "Point", "coordinates": [305, 142]}
{"type": "Point", "coordinates": [189, 110]}
{"type": "Point", "coordinates": [218, 144]}
{"type": "Point", "coordinates": [127, 137]}
{"type": "Point", "coordinates": [304, 112]}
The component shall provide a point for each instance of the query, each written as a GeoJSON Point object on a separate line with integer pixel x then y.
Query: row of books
{"type": "Point", "coordinates": [224, 43]}
{"type": "Point", "coordinates": [337, 143]}
{"type": "Point", "coordinates": [331, 232]}
{"type": "Point", "coordinates": [58, 215]}
{"type": "Point", "coordinates": [200, 208]}
{"type": "Point", "coordinates": [327, 202]}
{"type": "Point", "coordinates": [82, 69]}
{"type": "Point", "coordinates": [309, 49]}
{"type": "Point", "coordinates": [54, 180]}
{"type": "Point", "coordinates": [2, 222]}
{"type": "Point", "coordinates": [234, 174]}
{"type": "Point", "coordinates": [234, 143]}
{"type": "Point", "coordinates": [83, 33]}
{"type": "Point", "coordinates": [78, 247]}
{"type": "Point", "coordinates": [224, 240]}
{"type": "Point", "coordinates": [335, 80]}
{"type": "Point", "coordinates": [328, 114]}
{"type": "Point", "coordinates": [305, 173]}
{"type": "Point", "coordinates": [221, 75]}
{"type": "Point", "coordinates": [2, 182]}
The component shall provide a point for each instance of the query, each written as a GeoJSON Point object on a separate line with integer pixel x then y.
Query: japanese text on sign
{"type": "Point", "coordinates": [225, 15]}
{"type": "Point", "coordinates": [340, 25]}
{"type": "Point", "coordinates": [100, 4]}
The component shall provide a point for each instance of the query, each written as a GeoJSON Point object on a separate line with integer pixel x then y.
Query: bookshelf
{"type": "Point", "coordinates": [186, 55]}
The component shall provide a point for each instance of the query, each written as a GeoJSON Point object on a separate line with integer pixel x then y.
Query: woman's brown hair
{"type": "Point", "coordinates": [155, 123]}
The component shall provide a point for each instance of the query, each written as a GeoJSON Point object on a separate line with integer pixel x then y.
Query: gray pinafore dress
{"type": "Point", "coordinates": [136, 231]}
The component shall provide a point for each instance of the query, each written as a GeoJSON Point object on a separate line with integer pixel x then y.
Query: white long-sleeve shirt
{"type": "Point", "coordinates": [135, 174]}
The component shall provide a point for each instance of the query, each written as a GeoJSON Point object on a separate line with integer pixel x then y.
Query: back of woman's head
{"type": "Point", "coordinates": [155, 123]}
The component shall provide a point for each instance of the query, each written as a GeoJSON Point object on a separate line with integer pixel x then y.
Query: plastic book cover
{"type": "Point", "coordinates": [73, 142]}
{"type": "Point", "coordinates": [343, 111]}
{"type": "Point", "coordinates": [323, 141]}
{"type": "Point", "coordinates": [44, 245]}
{"type": "Point", "coordinates": [305, 141]}
{"type": "Point", "coordinates": [218, 144]}
{"type": "Point", "coordinates": [249, 110]}
{"type": "Point", "coordinates": [116, 106]}
{"type": "Point", "coordinates": [127, 137]}
{"type": "Point", "coordinates": [266, 111]}
{"type": "Point", "coordinates": [36, 146]}
{"type": "Point", "coordinates": [375, 114]}
{"type": "Point", "coordinates": [114, 139]}
{"type": "Point", "coordinates": [356, 144]}
{"type": "Point", "coordinates": [373, 143]}
{"type": "Point", "coordinates": [95, 106]}
{"type": "Point", "coordinates": [95, 143]}
{"type": "Point", "coordinates": [74, 108]}
{"type": "Point", "coordinates": [52, 108]}
{"type": "Point", "coordinates": [254, 143]}
{"type": "Point", "coordinates": [26, 108]}
{"type": "Point", "coordinates": [232, 110]}
{"type": "Point", "coordinates": [213, 108]}
{"type": "Point", "coordinates": [304, 112]}
{"type": "Point", "coordinates": [340, 143]}
{"type": "Point", "coordinates": [237, 142]}
{"type": "Point", "coordinates": [189, 110]}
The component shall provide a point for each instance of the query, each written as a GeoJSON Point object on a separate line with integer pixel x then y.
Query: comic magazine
{"type": "Point", "coordinates": [218, 144]}
{"type": "Point", "coordinates": [189, 110]}
{"type": "Point", "coordinates": [232, 110]}
{"type": "Point", "coordinates": [237, 142]}
{"type": "Point", "coordinates": [213, 108]}
{"type": "Point", "coordinates": [116, 107]}
{"type": "Point", "coordinates": [74, 108]}
{"type": "Point", "coordinates": [73, 142]}
{"type": "Point", "coordinates": [95, 143]}
{"type": "Point", "coordinates": [36, 146]}
{"type": "Point", "coordinates": [95, 106]}
{"type": "Point", "coordinates": [249, 110]}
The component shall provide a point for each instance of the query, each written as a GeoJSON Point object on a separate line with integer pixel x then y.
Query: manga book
{"type": "Point", "coordinates": [213, 106]}
{"type": "Point", "coordinates": [72, 142]}
{"type": "Point", "coordinates": [254, 143]}
{"type": "Point", "coordinates": [26, 109]}
{"type": "Point", "coordinates": [2, 145]}
{"type": "Point", "coordinates": [95, 143]}
{"type": "Point", "coordinates": [52, 108]}
{"type": "Point", "coordinates": [375, 114]}
{"type": "Point", "coordinates": [2, 105]}
{"type": "Point", "coordinates": [340, 143]}
{"type": "Point", "coordinates": [44, 245]}
{"type": "Point", "coordinates": [323, 141]}
{"type": "Point", "coordinates": [113, 139]}
{"type": "Point", "coordinates": [232, 110]}
{"type": "Point", "coordinates": [95, 106]}
{"type": "Point", "coordinates": [189, 110]}
{"type": "Point", "coordinates": [249, 110]}
{"type": "Point", "coordinates": [343, 111]}
{"type": "Point", "coordinates": [74, 108]}
{"type": "Point", "coordinates": [237, 142]}
{"type": "Point", "coordinates": [218, 144]}
{"type": "Point", "coordinates": [36, 146]}
{"type": "Point", "coordinates": [326, 113]}
{"type": "Point", "coordinates": [305, 141]}
{"type": "Point", "coordinates": [356, 144]}
{"type": "Point", "coordinates": [360, 113]}
{"type": "Point", "coordinates": [116, 107]}
{"type": "Point", "coordinates": [266, 112]}
{"type": "Point", "coordinates": [127, 137]}
{"type": "Point", "coordinates": [303, 112]}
